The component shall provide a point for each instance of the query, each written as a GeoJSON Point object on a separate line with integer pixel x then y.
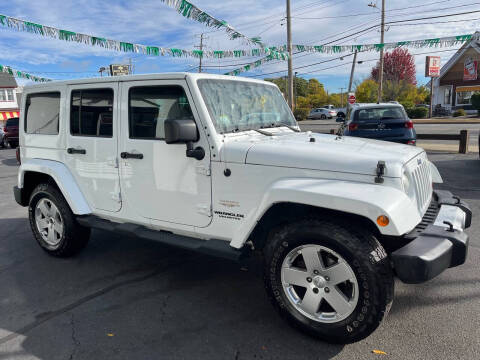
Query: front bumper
{"type": "Point", "coordinates": [437, 243]}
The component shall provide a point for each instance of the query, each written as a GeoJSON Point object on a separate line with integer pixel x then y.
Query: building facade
{"type": "Point", "coordinates": [9, 98]}
{"type": "Point", "coordinates": [459, 78]}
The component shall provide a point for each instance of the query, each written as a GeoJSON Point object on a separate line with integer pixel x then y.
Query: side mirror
{"type": "Point", "coordinates": [340, 119]}
{"type": "Point", "coordinates": [184, 131]}
{"type": "Point", "coordinates": [180, 131]}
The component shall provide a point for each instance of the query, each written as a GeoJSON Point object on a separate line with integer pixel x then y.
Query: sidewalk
{"type": "Point", "coordinates": [452, 148]}
{"type": "Point", "coordinates": [449, 120]}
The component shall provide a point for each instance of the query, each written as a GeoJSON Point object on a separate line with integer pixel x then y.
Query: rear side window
{"type": "Point", "coordinates": [150, 106]}
{"type": "Point", "coordinates": [91, 113]}
{"type": "Point", "coordinates": [42, 113]}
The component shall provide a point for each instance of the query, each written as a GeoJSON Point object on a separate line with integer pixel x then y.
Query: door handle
{"type": "Point", "coordinates": [76, 151]}
{"type": "Point", "coordinates": [126, 155]}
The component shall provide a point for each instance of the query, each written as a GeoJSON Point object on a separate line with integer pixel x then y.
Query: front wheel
{"type": "Point", "coordinates": [53, 223]}
{"type": "Point", "coordinates": [329, 281]}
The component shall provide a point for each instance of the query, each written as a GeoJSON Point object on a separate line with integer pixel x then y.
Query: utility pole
{"type": "Point", "coordinates": [295, 87]}
{"type": "Point", "coordinates": [200, 47]}
{"type": "Point", "coordinates": [350, 83]}
{"type": "Point", "coordinates": [341, 97]}
{"type": "Point", "coordinates": [289, 46]}
{"type": "Point", "coordinates": [380, 71]}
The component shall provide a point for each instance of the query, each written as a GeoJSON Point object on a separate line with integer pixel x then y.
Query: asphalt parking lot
{"type": "Point", "coordinates": [125, 298]}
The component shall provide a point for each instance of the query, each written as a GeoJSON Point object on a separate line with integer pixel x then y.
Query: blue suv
{"type": "Point", "coordinates": [387, 122]}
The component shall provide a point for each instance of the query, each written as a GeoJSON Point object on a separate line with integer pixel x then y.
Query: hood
{"type": "Point", "coordinates": [328, 153]}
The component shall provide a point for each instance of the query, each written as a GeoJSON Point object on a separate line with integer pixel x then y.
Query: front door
{"type": "Point", "coordinates": [92, 143]}
{"type": "Point", "coordinates": [158, 180]}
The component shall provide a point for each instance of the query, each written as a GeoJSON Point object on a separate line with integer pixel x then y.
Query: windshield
{"type": "Point", "coordinates": [12, 122]}
{"type": "Point", "coordinates": [239, 106]}
{"type": "Point", "coordinates": [378, 113]}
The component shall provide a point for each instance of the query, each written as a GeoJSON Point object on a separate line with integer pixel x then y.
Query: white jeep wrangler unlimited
{"type": "Point", "coordinates": [217, 164]}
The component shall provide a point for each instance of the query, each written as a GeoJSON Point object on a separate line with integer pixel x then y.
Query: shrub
{"type": "Point", "coordinates": [459, 112]}
{"type": "Point", "coordinates": [476, 101]}
{"type": "Point", "coordinates": [301, 113]}
{"type": "Point", "coordinates": [417, 113]}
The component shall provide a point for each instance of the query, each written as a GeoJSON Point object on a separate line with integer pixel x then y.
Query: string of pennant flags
{"type": "Point", "coordinates": [21, 74]}
{"type": "Point", "coordinates": [190, 11]}
{"type": "Point", "coordinates": [336, 49]}
{"type": "Point", "coordinates": [67, 35]}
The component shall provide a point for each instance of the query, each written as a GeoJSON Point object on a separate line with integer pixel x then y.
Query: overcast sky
{"type": "Point", "coordinates": [151, 22]}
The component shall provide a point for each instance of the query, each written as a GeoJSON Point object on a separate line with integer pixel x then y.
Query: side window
{"type": "Point", "coordinates": [42, 113]}
{"type": "Point", "coordinates": [91, 112]}
{"type": "Point", "coordinates": [150, 106]}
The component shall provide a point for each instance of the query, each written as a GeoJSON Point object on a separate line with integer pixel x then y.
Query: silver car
{"type": "Point", "coordinates": [322, 113]}
{"type": "Point", "coordinates": [2, 136]}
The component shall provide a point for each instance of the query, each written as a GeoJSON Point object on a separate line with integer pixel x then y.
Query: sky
{"type": "Point", "coordinates": [151, 22]}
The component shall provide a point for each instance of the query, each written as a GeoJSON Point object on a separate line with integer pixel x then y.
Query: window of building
{"type": "Point", "coordinates": [9, 94]}
{"type": "Point", "coordinates": [448, 96]}
{"type": "Point", "coordinates": [91, 112]}
{"type": "Point", "coordinates": [42, 113]}
{"type": "Point", "coordinates": [150, 106]}
{"type": "Point", "coordinates": [463, 97]}
{"type": "Point", "coordinates": [3, 95]}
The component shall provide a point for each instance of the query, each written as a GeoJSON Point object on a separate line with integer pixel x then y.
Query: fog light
{"type": "Point", "coordinates": [382, 220]}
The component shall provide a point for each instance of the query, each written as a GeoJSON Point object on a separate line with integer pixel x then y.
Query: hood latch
{"type": "Point", "coordinates": [380, 172]}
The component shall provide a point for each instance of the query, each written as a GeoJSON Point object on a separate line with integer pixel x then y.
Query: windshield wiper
{"type": "Point", "coordinates": [282, 125]}
{"type": "Point", "coordinates": [263, 132]}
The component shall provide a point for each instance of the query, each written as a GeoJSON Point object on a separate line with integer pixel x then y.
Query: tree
{"type": "Point", "coordinates": [366, 91]}
{"type": "Point", "coordinates": [398, 65]}
{"type": "Point", "coordinates": [475, 99]}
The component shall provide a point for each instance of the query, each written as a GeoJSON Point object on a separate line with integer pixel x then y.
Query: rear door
{"type": "Point", "coordinates": [92, 148]}
{"type": "Point", "coordinates": [380, 122]}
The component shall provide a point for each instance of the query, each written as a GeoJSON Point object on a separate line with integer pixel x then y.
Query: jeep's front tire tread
{"type": "Point", "coordinates": [364, 254]}
{"type": "Point", "coordinates": [75, 236]}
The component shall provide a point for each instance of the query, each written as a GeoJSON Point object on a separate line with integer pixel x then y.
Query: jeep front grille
{"type": "Point", "coordinates": [423, 185]}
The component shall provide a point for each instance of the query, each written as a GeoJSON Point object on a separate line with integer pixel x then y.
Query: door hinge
{"type": "Point", "coordinates": [204, 170]}
{"type": "Point", "coordinates": [204, 209]}
{"type": "Point", "coordinates": [113, 163]}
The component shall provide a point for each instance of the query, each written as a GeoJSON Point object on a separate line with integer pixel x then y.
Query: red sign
{"type": "Point", "coordinates": [432, 66]}
{"type": "Point", "coordinates": [351, 98]}
{"type": "Point", "coordinates": [470, 69]}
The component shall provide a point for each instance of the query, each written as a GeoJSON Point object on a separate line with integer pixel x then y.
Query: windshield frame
{"type": "Point", "coordinates": [282, 120]}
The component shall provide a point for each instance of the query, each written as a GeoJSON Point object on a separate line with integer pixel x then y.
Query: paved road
{"type": "Point", "coordinates": [326, 125]}
{"type": "Point", "coordinates": [126, 298]}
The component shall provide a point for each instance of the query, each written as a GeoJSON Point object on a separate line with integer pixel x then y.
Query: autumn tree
{"type": "Point", "coordinates": [366, 91]}
{"type": "Point", "coordinates": [398, 66]}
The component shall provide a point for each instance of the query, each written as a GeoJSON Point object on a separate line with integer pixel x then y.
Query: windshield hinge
{"type": "Point", "coordinates": [204, 170]}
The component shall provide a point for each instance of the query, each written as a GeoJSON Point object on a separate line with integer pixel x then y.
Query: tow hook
{"type": "Point", "coordinates": [380, 172]}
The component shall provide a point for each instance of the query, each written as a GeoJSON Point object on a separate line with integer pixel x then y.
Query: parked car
{"type": "Point", "coordinates": [341, 111]}
{"type": "Point", "coordinates": [388, 122]}
{"type": "Point", "coordinates": [2, 137]}
{"type": "Point", "coordinates": [190, 161]}
{"type": "Point", "coordinates": [321, 113]}
{"type": "Point", "coordinates": [11, 132]}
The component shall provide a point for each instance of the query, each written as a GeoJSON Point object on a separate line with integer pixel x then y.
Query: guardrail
{"type": "Point", "coordinates": [463, 137]}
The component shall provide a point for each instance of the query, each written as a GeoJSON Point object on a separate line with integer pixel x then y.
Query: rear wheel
{"type": "Point", "coordinates": [323, 116]}
{"type": "Point", "coordinates": [328, 281]}
{"type": "Point", "coordinates": [53, 223]}
{"type": "Point", "coordinates": [13, 144]}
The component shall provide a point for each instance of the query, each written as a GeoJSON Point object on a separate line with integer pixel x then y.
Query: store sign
{"type": "Point", "coordinates": [432, 66]}
{"type": "Point", "coordinates": [117, 70]}
{"type": "Point", "coordinates": [470, 69]}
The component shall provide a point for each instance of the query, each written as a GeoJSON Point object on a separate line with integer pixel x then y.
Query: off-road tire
{"type": "Point", "coordinates": [365, 256]}
{"type": "Point", "coordinates": [75, 237]}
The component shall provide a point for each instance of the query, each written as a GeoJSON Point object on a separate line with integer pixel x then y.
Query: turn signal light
{"type": "Point", "coordinates": [382, 220]}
